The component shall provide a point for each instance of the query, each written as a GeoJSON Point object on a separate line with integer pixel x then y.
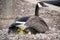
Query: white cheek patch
{"type": "Point", "coordinates": [39, 5]}
{"type": "Point", "coordinates": [22, 26]}
{"type": "Point", "coordinates": [20, 22]}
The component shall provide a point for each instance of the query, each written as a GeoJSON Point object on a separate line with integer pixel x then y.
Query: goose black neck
{"type": "Point", "coordinates": [37, 10]}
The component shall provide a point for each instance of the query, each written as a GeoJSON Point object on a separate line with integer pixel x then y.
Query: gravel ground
{"type": "Point", "coordinates": [45, 36]}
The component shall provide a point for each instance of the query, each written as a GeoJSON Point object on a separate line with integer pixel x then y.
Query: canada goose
{"type": "Point", "coordinates": [18, 26]}
{"type": "Point", "coordinates": [36, 23]}
{"type": "Point", "coordinates": [33, 24]}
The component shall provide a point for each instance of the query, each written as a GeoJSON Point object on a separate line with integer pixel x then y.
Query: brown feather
{"type": "Point", "coordinates": [37, 23]}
